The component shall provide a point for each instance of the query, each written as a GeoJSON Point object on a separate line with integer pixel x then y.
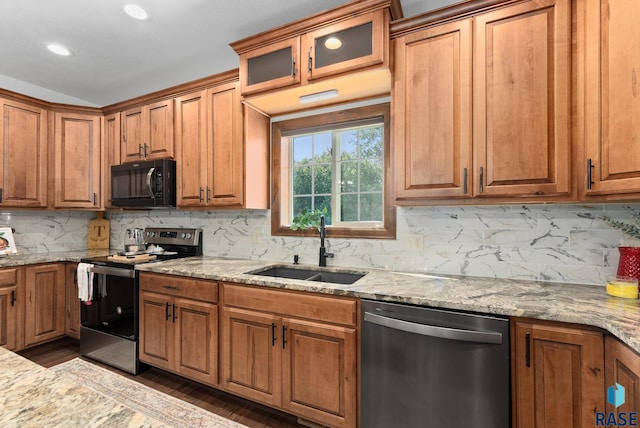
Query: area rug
{"type": "Point", "coordinates": [141, 398]}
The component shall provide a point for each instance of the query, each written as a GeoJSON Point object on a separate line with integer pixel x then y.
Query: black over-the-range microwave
{"type": "Point", "coordinates": [145, 184]}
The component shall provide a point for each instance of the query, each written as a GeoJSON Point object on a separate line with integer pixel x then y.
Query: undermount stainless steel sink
{"type": "Point", "coordinates": [309, 274]}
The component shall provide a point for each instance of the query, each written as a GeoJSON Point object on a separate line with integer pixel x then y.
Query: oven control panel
{"type": "Point", "coordinates": [172, 236]}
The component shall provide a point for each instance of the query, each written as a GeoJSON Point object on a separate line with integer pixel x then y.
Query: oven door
{"type": "Point", "coordinates": [109, 324]}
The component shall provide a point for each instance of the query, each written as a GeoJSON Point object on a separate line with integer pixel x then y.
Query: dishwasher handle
{"type": "Point", "coordinates": [435, 331]}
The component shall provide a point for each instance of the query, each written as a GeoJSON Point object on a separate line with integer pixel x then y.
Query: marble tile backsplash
{"type": "Point", "coordinates": [556, 243]}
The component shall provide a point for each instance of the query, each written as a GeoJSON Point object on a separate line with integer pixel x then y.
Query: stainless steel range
{"type": "Point", "coordinates": [109, 316]}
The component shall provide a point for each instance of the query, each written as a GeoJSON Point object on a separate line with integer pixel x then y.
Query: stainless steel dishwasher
{"type": "Point", "coordinates": [433, 368]}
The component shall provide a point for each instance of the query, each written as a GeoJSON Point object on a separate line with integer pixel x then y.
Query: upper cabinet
{"type": "Point", "coordinates": [345, 50]}
{"type": "Point", "coordinates": [608, 101]}
{"type": "Point", "coordinates": [147, 132]}
{"type": "Point", "coordinates": [111, 142]}
{"type": "Point", "coordinates": [77, 155]}
{"type": "Point", "coordinates": [23, 155]}
{"type": "Point", "coordinates": [513, 139]}
{"type": "Point", "coordinates": [222, 150]}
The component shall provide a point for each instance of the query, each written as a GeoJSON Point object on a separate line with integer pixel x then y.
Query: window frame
{"type": "Point", "coordinates": [280, 153]}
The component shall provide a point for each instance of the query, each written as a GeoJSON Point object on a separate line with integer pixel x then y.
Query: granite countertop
{"type": "Point", "coordinates": [581, 304]}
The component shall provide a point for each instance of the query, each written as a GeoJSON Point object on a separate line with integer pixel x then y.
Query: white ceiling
{"type": "Point", "coordinates": [116, 58]}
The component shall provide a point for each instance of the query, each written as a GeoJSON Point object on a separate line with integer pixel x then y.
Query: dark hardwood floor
{"type": "Point", "coordinates": [237, 409]}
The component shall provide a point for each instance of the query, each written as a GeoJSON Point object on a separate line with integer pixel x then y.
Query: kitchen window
{"type": "Point", "coordinates": [337, 161]}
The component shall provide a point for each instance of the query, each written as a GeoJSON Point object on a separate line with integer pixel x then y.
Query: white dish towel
{"type": "Point", "coordinates": [85, 282]}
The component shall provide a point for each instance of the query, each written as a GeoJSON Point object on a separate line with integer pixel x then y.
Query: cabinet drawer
{"type": "Point", "coordinates": [302, 305]}
{"type": "Point", "coordinates": [8, 276]}
{"type": "Point", "coordinates": [179, 286]}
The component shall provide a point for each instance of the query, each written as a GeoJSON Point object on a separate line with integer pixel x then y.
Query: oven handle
{"type": "Point", "coordinates": [435, 331]}
{"type": "Point", "coordinates": [112, 271]}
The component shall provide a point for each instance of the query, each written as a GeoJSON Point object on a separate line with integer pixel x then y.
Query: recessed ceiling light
{"type": "Point", "coordinates": [318, 96]}
{"type": "Point", "coordinates": [332, 43]}
{"type": "Point", "coordinates": [136, 12]}
{"type": "Point", "coordinates": [58, 49]}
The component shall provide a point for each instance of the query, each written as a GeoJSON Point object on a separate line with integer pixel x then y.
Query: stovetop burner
{"type": "Point", "coordinates": [176, 243]}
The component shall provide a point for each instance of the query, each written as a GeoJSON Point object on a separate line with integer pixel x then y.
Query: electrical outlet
{"type": "Point", "coordinates": [414, 242]}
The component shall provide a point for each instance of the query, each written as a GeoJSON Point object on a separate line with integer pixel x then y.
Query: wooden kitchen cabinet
{"type": "Point", "coordinates": [11, 305]}
{"type": "Point", "coordinates": [179, 326]}
{"type": "Point", "coordinates": [77, 157]}
{"type": "Point", "coordinates": [72, 302]}
{"type": "Point", "coordinates": [558, 373]}
{"type": "Point", "coordinates": [608, 105]}
{"type": "Point", "coordinates": [622, 366]}
{"type": "Point", "coordinates": [111, 140]}
{"type": "Point", "coordinates": [296, 352]}
{"type": "Point", "coordinates": [147, 132]}
{"type": "Point", "coordinates": [519, 122]}
{"type": "Point", "coordinates": [23, 155]}
{"type": "Point", "coordinates": [222, 150]}
{"type": "Point", "coordinates": [44, 303]}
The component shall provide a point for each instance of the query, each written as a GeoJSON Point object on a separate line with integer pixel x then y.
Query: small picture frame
{"type": "Point", "coordinates": [7, 244]}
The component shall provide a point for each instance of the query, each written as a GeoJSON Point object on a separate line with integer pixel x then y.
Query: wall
{"type": "Point", "coordinates": [558, 243]}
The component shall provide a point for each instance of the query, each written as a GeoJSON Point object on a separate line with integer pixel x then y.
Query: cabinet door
{"type": "Point", "coordinates": [559, 376]}
{"type": "Point", "coordinates": [158, 130]}
{"type": "Point", "coordinates": [433, 113]}
{"type": "Point", "coordinates": [23, 155]}
{"type": "Point", "coordinates": [252, 355]}
{"type": "Point", "coordinates": [612, 106]}
{"type": "Point", "coordinates": [45, 303]}
{"type": "Point", "coordinates": [522, 100]}
{"type": "Point", "coordinates": [319, 372]}
{"type": "Point", "coordinates": [131, 148]}
{"type": "Point", "coordinates": [622, 366]}
{"type": "Point", "coordinates": [274, 66]}
{"type": "Point", "coordinates": [353, 44]}
{"type": "Point", "coordinates": [191, 149]}
{"type": "Point", "coordinates": [111, 140]}
{"type": "Point", "coordinates": [226, 161]}
{"type": "Point", "coordinates": [72, 303]}
{"type": "Point", "coordinates": [77, 161]}
{"type": "Point", "coordinates": [196, 336]}
{"type": "Point", "coordinates": [8, 317]}
{"type": "Point", "coordinates": [157, 345]}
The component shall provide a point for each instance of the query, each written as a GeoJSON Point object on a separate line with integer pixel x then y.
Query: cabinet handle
{"type": "Point", "coordinates": [208, 190]}
{"type": "Point", "coordinates": [464, 179]}
{"type": "Point", "coordinates": [309, 61]}
{"type": "Point", "coordinates": [0, 195]}
{"type": "Point", "coordinates": [166, 312]}
{"type": "Point", "coordinates": [481, 179]}
{"type": "Point", "coordinates": [140, 150]}
{"type": "Point", "coordinates": [13, 297]}
{"type": "Point", "coordinates": [145, 151]}
{"type": "Point", "coordinates": [174, 314]}
{"type": "Point", "coordinates": [201, 193]}
{"type": "Point", "coordinates": [284, 336]}
{"type": "Point", "coordinates": [171, 287]}
{"type": "Point", "coordinates": [273, 334]}
{"type": "Point", "coordinates": [95, 198]}
{"type": "Point", "coordinates": [589, 174]}
{"type": "Point", "coordinates": [293, 66]}
{"type": "Point", "coordinates": [527, 349]}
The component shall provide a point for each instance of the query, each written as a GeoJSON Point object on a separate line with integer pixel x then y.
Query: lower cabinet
{"type": "Point", "coordinates": [72, 306]}
{"type": "Point", "coordinates": [44, 303]}
{"type": "Point", "coordinates": [622, 367]}
{"type": "Point", "coordinates": [179, 326]}
{"type": "Point", "coordinates": [293, 351]}
{"type": "Point", "coordinates": [10, 304]}
{"type": "Point", "coordinates": [558, 373]}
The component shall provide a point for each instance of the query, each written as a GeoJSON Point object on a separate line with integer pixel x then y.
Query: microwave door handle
{"type": "Point", "coordinates": [149, 176]}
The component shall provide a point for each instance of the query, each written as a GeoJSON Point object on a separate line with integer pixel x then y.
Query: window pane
{"type": "Point", "coordinates": [371, 207]}
{"type": "Point", "coordinates": [320, 202]}
{"type": "Point", "coordinates": [348, 177]}
{"type": "Point", "coordinates": [302, 181]}
{"type": "Point", "coordinates": [371, 175]}
{"type": "Point", "coordinates": [301, 203]}
{"type": "Point", "coordinates": [322, 179]}
{"type": "Point", "coordinates": [349, 207]}
{"type": "Point", "coordinates": [371, 143]}
{"type": "Point", "coordinates": [349, 145]}
{"type": "Point", "coordinates": [301, 149]}
{"type": "Point", "coordinates": [322, 147]}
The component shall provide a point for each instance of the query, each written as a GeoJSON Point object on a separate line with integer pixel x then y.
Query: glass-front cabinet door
{"type": "Point", "coordinates": [270, 67]}
{"type": "Point", "coordinates": [355, 43]}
